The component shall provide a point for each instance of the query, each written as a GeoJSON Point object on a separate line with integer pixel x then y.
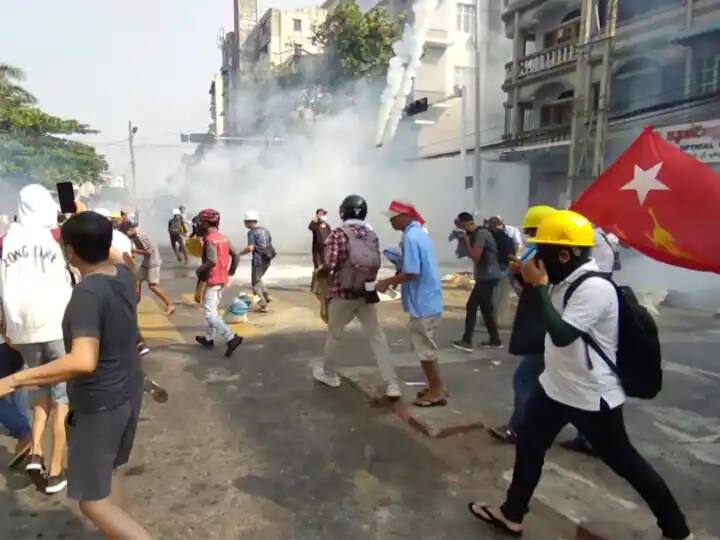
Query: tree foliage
{"type": "Point", "coordinates": [31, 144]}
{"type": "Point", "coordinates": [357, 44]}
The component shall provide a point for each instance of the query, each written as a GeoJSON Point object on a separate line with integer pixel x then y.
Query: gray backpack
{"type": "Point", "coordinates": [363, 261]}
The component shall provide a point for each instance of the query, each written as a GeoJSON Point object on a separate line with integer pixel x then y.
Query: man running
{"type": "Point", "coordinates": [577, 387]}
{"type": "Point", "coordinates": [219, 263]}
{"type": "Point", "coordinates": [35, 286]}
{"type": "Point", "coordinates": [150, 267]}
{"type": "Point", "coordinates": [177, 229]}
{"type": "Point", "coordinates": [263, 252]}
{"type": "Point", "coordinates": [103, 373]}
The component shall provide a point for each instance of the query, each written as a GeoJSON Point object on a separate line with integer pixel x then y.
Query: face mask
{"type": "Point", "coordinates": [323, 218]}
{"type": "Point", "coordinates": [556, 269]}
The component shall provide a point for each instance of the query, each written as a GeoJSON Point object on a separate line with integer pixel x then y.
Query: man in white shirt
{"type": "Point", "coordinates": [577, 387]}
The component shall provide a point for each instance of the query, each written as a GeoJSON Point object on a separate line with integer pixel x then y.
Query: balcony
{"type": "Point", "coordinates": [540, 136]}
{"type": "Point", "coordinates": [438, 38]}
{"type": "Point", "coordinates": [543, 61]}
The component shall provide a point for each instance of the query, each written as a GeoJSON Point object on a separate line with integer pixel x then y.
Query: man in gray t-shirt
{"type": "Point", "coordinates": [260, 245]}
{"type": "Point", "coordinates": [482, 248]}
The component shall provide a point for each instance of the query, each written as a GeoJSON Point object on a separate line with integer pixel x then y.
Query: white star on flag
{"type": "Point", "coordinates": [645, 181]}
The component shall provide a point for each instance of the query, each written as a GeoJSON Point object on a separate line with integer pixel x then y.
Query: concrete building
{"type": "Point", "coordinates": [282, 34]}
{"type": "Point", "coordinates": [665, 72]}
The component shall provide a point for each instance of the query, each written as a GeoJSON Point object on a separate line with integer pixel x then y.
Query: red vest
{"type": "Point", "coordinates": [219, 272]}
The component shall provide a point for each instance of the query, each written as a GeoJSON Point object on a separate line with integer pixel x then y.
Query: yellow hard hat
{"type": "Point", "coordinates": [565, 228]}
{"type": "Point", "coordinates": [194, 246]}
{"type": "Point", "coordinates": [535, 215]}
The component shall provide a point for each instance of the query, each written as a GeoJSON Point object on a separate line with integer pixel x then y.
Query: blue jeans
{"type": "Point", "coordinates": [524, 381]}
{"type": "Point", "coordinates": [14, 409]}
{"type": "Point", "coordinates": [215, 324]}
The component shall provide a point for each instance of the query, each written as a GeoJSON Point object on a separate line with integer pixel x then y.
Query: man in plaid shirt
{"type": "Point", "coordinates": [346, 304]}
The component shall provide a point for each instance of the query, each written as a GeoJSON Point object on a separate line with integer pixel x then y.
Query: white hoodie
{"type": "Point", "coordinates": [34, 280]}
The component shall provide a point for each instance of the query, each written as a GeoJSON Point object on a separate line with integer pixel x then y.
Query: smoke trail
{"type": "Point", "coordinates": [401, 70]}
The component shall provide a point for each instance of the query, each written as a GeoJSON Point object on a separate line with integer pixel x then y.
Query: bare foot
{"type": "Point", "coordinates": [170, 309]}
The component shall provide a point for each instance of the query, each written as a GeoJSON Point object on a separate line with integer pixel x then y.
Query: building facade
{"type": "Point", "coordinates": [664, 71]}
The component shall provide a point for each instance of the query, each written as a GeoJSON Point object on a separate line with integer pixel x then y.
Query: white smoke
{"type": "Point", "coordinates": [402, 67]}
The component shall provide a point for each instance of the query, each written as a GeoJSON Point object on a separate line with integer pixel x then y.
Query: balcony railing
{"type": "Point", "coordinates": [545, 135]}
{"type": "Point", "coordinates": [544, 60]}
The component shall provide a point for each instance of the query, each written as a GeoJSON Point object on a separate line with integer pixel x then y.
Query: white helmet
{"type": "Point", "coordinates": [252, 215]}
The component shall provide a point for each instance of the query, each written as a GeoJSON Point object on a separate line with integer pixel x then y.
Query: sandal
{"type": "Point", "coordinates": [421, 393]}
{"type": "Point", "coordinates": [491, 519]}
{"type": "Point", "coordinates": [503, 434]}
{"type": "Point", "coordinates": [426, 403]}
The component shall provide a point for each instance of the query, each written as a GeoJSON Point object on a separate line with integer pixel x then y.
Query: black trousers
{"type": "Point", "coordinates": [482, 297]}
{"type": "Point", "coordinates": [605, 429]}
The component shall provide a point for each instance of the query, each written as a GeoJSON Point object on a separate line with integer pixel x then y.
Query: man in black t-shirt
{"type": "Point", "coordinates": [102, 368]}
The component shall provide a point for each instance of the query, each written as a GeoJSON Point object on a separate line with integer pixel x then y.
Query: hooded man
{"type": "Point", "coordinates": [35, 286]}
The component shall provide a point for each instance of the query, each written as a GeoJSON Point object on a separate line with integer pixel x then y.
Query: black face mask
{"type": "Point", "coordinates": [556, 269]}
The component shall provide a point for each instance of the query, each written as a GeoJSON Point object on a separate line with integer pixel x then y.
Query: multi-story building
{"type": "Point", "coordinates": [283, 34]}
{"type": "Point", "coordinates": [665, 71]}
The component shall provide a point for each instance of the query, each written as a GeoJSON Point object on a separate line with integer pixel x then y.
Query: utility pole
{"type": "Point", "coordinates": [461, 92]}
{"type": "Point", "coordinates": [579, 130]}
{"type": "Point", "coordinates": [601, 123]}
{"type": "Point", "coordinates": [132, 130]}
{"type": "Point", "coordinates": [479, 184]}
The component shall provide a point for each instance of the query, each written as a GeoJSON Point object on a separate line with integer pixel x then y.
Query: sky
{"type": "Point", "coordinates": [104, 62]}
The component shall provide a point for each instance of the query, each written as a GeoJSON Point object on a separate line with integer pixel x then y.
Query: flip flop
{"type": "Point", "coordinates": [421, 393]}
{"type": "Point", "coordinates": [426, 403]}
{"type": "Point", "coordinates": [491, 519]}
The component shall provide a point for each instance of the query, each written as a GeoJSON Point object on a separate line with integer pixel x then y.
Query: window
{"type": "Point", "coordinates": [297, 25]}
{"type": "Point", "coordinates": [707, 74]}
{"type": "Point", "coordinates": [558, 113]}
{"type": "Point", "coordinates": [466, 18]}
{"type": "Point", "coordinates": [637, 84]}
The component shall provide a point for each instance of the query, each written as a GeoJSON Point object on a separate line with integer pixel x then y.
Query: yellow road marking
{"type": "Point", "coordinates": [244, 329]}
{"type": "Point", "coordinates": [155, 325]}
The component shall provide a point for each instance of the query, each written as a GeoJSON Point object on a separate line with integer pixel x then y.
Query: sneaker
{"type": "Point", "coordinates": [143, 350]}
{"type": "Point", "coordinates": [55, 484]}
{"type": "Point", "coordinates": [205, 342]}
{"type": "Point", "coordinates": [319, 374]}
{"type": "Point", "coordinates": [393, 391]}
{"type": "Point", "coordinates": [491, 344]}
{"type": "Point", "coordinates": [462, 346]}
{"type": "Point", "coordinates": [35, 463]}
{"type": "Point", "coordinates": [233, 344]}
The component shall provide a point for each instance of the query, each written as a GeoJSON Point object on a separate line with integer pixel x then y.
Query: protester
{"type": "Point", "coordinates": [421, 296]}
{"type": "Point", "coordinates": [528, 335]}
{"type": "Point", "coordinates": [150, 266]}
{"type": "Point", "coordinates": [352, 259]}
{"type": "Point", "coordinates": [103, 370]}
{"type": "Point", "coordinates": [14, 408]}
{"type": "Point", "coordinates": [483, 250]}
{"type": "Point", "coordinates": [320, 230]}
{"type": "Point", "coordinates": [219, 262]}
{"type": "Point", "coordinates": [606, 252]}
{"type": "Point", "coordinates": [35, 285]}
{"type": "Point", "coordinates": [178, 232]}
{"type": "Point", "coordinates": [577, 386]}
{"type": "Point", "coordinates": [259, 244]}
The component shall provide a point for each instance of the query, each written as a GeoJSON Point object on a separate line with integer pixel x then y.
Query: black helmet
{"type": "Point", "coordinates": [353, 207]}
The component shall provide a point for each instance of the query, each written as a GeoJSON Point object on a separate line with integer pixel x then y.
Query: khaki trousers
{"type": "Point", "coordinates": [341, 313]}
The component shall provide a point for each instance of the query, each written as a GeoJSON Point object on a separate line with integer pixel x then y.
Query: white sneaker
{"type": "Point", "coordinates": [319, 374]}
{"type": "Point", "coordinates": [393, 391]}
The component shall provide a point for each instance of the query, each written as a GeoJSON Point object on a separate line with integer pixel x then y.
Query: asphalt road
{"type": "Point", "coordinates": [251, 448]}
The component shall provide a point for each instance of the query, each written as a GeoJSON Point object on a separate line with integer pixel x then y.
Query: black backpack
{"type": "Point", "coordinates": [639, 357]}
{"type": "Point", "coordinates": [505, 245]}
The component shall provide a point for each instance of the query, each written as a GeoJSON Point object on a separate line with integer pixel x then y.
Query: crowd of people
{"type": "Point", "coordinates": [69, 297]}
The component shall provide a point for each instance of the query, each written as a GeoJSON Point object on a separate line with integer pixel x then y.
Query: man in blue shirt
{"type": "Point", "coordinates": [421, 294]}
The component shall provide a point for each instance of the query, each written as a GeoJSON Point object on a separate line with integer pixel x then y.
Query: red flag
{"type": "Point", "coordinates": [660, 201]}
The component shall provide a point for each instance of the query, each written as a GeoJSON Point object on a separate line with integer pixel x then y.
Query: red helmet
{"type": "Point", "coordinates": [209, 216]}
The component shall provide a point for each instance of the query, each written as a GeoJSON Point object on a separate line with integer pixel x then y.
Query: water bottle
{"type": "Point", "coordinates": [371, 295]}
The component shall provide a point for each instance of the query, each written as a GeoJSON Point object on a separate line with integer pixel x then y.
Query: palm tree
{"type": "Point", "coordinates": [10, 90]}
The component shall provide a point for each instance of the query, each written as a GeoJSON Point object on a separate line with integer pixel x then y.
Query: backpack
{"type": "Point", "coordinates": [177, 225]}
{"type": "Point", "coordinates": [505, 246]}
{"type": "Point", "coordinates": [363, 262]}
{"type": "Point", "coordinates": [639, 358]}
{"type": "Point", "coordinates": [268, 252]}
